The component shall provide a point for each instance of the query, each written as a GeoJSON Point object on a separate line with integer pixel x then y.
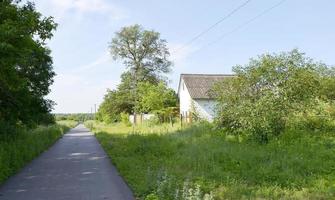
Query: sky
{"type": "Point", "coordinates": [85, 69]}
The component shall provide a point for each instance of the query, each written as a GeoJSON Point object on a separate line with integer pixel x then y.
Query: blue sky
{"type": "Point", "coordinates": [85, 69]}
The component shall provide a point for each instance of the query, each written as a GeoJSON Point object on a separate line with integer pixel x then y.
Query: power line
{"type": "Point", "coordinates": [243, 25]}
{"type": "Point", "coordinates": [213, 26]}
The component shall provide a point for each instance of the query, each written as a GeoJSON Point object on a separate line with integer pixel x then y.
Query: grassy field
{"type": "Point", "coordinates": [199, 162]}
{"type": "Point", "coordinates": [23, 145]}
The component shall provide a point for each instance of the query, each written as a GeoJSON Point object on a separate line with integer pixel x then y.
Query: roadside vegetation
{"type": "Point", "coordinates": [23, 145]}
{"type": "Point", "coordinates": [27, 127]}
{"type": "Point", "coordinates": [272, 137]}
{"type": "Point", "coordinates": [203, 162]}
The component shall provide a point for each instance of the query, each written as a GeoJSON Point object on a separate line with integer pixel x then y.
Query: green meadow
{"type": "Point", "coordinates": [200, 162]}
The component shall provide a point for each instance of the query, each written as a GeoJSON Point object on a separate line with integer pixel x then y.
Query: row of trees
{"type": "Point", "coordinates": [143, 86]}
{"type": "Point", "coordinates": [79, 117]}
{"type": "Point", "coordinates": [261, 101]}
{"type": "Point", "coordinates": [272, 91]}
{"type": "Point", "coordinates": [26, 71]}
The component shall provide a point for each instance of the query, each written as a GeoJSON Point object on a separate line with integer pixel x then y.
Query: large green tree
{"type": "Point", "coordinates": [117, 101]}
{"type": "Point", "coordinates": [266, 91]}
{"type": "Point", "coordinates": [26, 71]}
{"type": "Point", "coordinates": [146, 57]}
{"type": "Point", "coordinates": [143, 52]}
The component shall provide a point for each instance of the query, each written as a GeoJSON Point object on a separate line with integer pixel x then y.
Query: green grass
{"type": "Point", "coordinates": [22, 145]}
{"type": "Point", "coordinates": [167, 163]}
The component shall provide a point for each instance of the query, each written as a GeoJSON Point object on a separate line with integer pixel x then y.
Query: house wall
{"type": "Point", "coordinates": [205, 108]}
{"type": "Point", "coordinates": [184, 99]}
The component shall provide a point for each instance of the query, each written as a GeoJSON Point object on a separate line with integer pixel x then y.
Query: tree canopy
{"type": "Point", "coordinates": [143, 52]}
{"type": "Point", "coordinates": [26, 71]}
{"type": "Point", "coordinates": [266, 91]}
{"type": "Point", "coordinates": [152, 99]}
{"type": "Point", "coordinates": [155, 97]}
{"type": "Point", "coordinates": [143, 87]}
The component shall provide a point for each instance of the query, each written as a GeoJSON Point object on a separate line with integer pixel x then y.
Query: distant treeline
{"type": "Point", "coordinates": [79, 117]}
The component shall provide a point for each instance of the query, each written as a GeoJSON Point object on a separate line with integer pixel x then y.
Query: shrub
{"type": "Point", "coordinates": [320, 117]}
{"type": "Point", "coordinates": [264, 93]}
{"type": "Point", "coordinates": [125, 119]}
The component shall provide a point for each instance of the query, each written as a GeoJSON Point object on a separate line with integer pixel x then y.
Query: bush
{"type": "Point", "coordinates": [125, 119]}
{"type": "Point", "coordinates": [264, 93]}
{"type": "Point", "coordinates": [320, 117]}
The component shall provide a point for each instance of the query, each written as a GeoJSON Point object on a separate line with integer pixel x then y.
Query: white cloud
{"type": "Point", "coordinates": [60, 8]}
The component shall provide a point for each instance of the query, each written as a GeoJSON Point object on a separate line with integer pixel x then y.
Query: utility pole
{"type": "Point", "coordinates": [91, 113]}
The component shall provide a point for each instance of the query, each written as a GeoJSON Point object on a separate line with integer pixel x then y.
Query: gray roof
{"type": "Point", "coordinates": [198, 85]}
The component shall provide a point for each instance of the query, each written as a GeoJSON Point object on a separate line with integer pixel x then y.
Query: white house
{"type": "Point", "coordinates": [193, 92]}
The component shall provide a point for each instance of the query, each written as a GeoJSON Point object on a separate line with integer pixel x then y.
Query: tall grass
{"type": "Point", "coordinates": [202, 163]}
{"type": "Point", "coordinates": [22, 145]}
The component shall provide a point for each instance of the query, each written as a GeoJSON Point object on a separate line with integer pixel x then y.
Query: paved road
{"type": "Point", "coordinates": [75, 168]}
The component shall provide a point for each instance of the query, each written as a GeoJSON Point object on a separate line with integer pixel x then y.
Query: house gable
{"type": "Point", "coordinates": [199, 85]}
{"type": "Point", "coordinates": [194, 89]}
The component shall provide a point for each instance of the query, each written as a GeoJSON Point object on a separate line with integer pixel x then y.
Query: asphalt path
{"type": "Point", "coordinates": [75, 167]}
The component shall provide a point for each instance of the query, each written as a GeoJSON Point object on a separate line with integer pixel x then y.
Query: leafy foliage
{"type": "Point", "coordinates": [264, 93]}
{"type": "Point", "coordinates": [117, 101]}
{"type": "Point", "coordinates": [155, 97]}
{"type": "Point", "coordinates": [143, 52]}
{"type": "Point", "coordinates": [142, 87]}
{"type": "Point", "coordinates": [26, 71]}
